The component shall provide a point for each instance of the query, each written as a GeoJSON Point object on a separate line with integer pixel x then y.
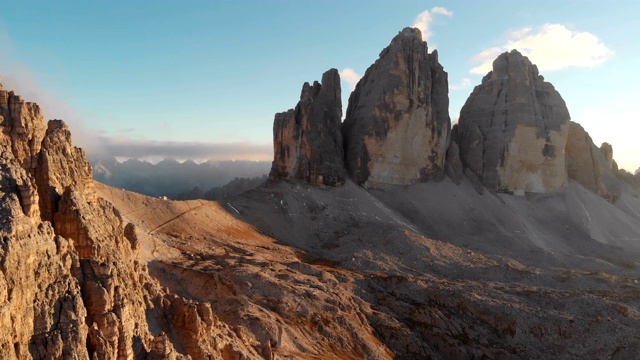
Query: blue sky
{"type": "Point", "coordinates": [204, 78]}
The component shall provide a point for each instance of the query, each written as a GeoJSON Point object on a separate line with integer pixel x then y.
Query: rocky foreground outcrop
{"type": "Point", "coordinates": [397, 124]}
{"type": "Point", "coordinates": [71, 285]}
{"type": "Point", "coordinates": [591, 166]}
{"type": "Point", "coordinates": [307, 140]}
{"type": "Point", "coordinates": [513, 129]}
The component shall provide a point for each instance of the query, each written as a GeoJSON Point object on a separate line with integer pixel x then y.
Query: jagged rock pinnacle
{"type": "Point", "coordinates": [307, 140]}
{"type": "Point", "coordinates": [397, 121]}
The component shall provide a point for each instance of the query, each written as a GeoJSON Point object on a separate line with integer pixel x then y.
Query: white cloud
{"type": "Point", "coordinates": [424, 19]}
{"type": "Point", "coordinates": [552, 47]}
{"type": "Point", "coordinates": [518, 34]}
{"type": "Point", "coordinates": [127, 147]}
{"type": "Point", "coordinates": [441, 10]}
{"type": "Point", "coordinates": [351, 77]}
{"type": "Point", "coordinates": [599, 123]}
{"type": "Point", "coordinates": [464, 84]}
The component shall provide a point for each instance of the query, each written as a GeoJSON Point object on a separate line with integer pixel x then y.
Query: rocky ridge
{"type": "Point", "coordinates": [71, 285]}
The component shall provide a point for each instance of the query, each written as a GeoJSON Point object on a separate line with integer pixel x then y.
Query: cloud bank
{"type": "Point", "coordinates": [424, 19]}
{"type": "Point", "coordinates": [465, 83]}
{"type": "Point", "coordinates": [552, 47]}
{"type": "Point", "coordinates": [181, 150]}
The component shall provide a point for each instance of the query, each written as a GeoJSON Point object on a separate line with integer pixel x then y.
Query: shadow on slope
{"type": "Point", "coordinates": [341, 273]}
{"type": "Point", "coordinates": [572, 228]}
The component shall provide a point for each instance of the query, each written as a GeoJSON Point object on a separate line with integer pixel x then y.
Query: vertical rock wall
{"type": "Point", "coordinates": [307, 140]}
{"type": "Point", "coordinates": [397, 125]}
{"type": "Point", "coordinates": [42, 314]}
{"type": "Point", "coordinates": [513, 129]}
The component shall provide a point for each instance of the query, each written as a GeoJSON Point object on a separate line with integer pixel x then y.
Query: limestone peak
{"type": "Point", "coordinates": [513, 129]}
{"type": "Point", "coordinates": [307, 140]}
{"type": "Point", "coordinates": [397, 122]}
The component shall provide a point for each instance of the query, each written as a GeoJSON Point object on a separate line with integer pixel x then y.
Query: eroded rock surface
{"type": "Point", "coordinates": [42, 314]}
{"type": "Point", "coordinates": [307, 140]}
{"type": "Point", "coordinates": [22, 127]}
{"type": "Point", "coordinates": [71, 283]}
{"type": "Point", "coordinates": [513, 129]}
{"type": "Point", "coordinates": [60, 164]}
{"type": "Point", "coordinates": [397, 125]}
{"type": "Point", "coordinates": [591, 166]}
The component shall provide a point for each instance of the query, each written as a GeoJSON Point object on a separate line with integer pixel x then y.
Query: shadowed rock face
{"type": "Point", "coordinates": [513, 129]}
{"type": "Point", "coordinates": [397, 123]}
{"type": "Point", "coordinates": [591, 166]}
{"type": "Point", "coordinates": [307, 141]}
{"type": "Point", "coordinates": [453, 165]}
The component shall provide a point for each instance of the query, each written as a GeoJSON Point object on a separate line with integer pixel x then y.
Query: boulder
{"type": "Point", "coordinates": [513, 129]}
{"type": "Point", "coordinates": [397, 124]}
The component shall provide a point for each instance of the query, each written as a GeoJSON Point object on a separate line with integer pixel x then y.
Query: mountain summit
{"type": "Point", "coordinates": [307, 140]}
{"type": "Point", "coordinates": [513, 129]}
{"type": "Point", "coordinates": [397, 125]}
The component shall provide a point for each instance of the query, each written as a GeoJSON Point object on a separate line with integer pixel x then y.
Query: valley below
{"type": "Point", "coordinates": [344, 273]}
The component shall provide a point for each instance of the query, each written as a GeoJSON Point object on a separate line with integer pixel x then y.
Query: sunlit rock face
{"type": "Point", "coordinates": [513, 129]}
{"type": "Point", "coordinates": [71, 284]}
{"type": "Point", "coordinates": [397, 125]}
{"type": "Point", "coordinates": [22, 128]}
{"type": "Point", "coordinates": [307, 140]}
{"type": "Point", "coordinates": [591, 166]}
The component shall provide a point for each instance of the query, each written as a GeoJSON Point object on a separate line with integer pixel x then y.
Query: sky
{"type": "Point", "coordinates": [203, 79]}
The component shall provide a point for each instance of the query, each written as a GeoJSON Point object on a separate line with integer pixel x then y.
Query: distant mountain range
{"type": "Point", "coordinates": [170, 177]}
